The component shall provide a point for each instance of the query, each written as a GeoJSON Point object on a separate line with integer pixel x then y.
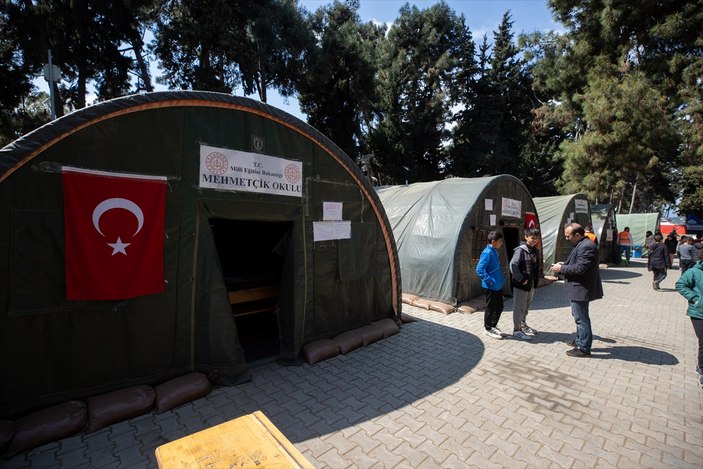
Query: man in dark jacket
{"type": "Point", "coordinates": [658, 261]}
{"type": "Point", "coordinates": [582, 285]}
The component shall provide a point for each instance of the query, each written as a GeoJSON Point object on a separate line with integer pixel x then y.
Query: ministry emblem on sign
{"type": "Point", "coordinates": [257, 144]}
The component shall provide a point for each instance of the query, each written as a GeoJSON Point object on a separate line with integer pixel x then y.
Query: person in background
{"type": "Point", "coordinates": [625, 244]}
{"type": "Point", "coordinates": [648, 241]}
{"type": "Point", "coordinates": [492, 279]}
{"type": "Point", "coordinates": [524, 270]}
{"type": "Point", "coordinates": [690, 286]}
{"type": "Point", "coordinates": [582, 285]}
{"type": "Point", "coordinates": [672, 244]}
{"type": "Point", "coordinates": [658, 261]}
{"type": "Point", "coordinates": [688, 254]}
{"type": "Point", "coordinates": [591, 235]}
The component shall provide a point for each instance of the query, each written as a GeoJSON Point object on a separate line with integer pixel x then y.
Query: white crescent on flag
{"type": "Point", "coordinates": [125, 204]}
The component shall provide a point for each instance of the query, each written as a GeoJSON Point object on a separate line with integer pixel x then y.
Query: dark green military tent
{"type": "Point", "coordinates": [555, 213]}
{"type": "Point", "coordinates": [314, 236]}
{"type": "Point", "coordinates": [605, 228]}
{"type": "Point", "coordinates": [441, 228]}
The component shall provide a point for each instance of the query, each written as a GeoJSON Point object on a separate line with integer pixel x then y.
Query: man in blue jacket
{"type": "Point", "coordinates": [582, 285]}
{"type": "Point", "coordinates": [492, 279]}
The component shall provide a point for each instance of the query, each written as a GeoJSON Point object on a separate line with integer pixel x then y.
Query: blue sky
{"type": "Point", "coordinates": [482, 17]}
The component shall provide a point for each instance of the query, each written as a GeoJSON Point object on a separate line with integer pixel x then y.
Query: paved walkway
{"type": "Point", "coordinates": [441, 394]}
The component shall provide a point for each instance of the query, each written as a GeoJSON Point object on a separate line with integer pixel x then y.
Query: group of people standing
{"type": "Point", "coordinates": [582, 284]}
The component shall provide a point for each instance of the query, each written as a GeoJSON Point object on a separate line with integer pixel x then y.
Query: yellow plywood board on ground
{"type": "Point", "coordinates": [251, 441]}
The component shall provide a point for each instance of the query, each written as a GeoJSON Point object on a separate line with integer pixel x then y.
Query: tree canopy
{"type": "Point", "coordinates": [612, 106]}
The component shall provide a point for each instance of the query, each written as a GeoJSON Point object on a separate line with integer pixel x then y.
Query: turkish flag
{"type": "Point", "coordinates": [114, 226]}
{"type": "Point", "coordinates": [530, 220]}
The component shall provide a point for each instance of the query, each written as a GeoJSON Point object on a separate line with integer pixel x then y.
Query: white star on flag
{"type": "Point", "coordinates": [118, 246]}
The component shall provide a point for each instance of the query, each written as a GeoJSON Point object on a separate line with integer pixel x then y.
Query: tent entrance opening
{"type": "Point", "coordinates": [251, 255]}
{"type": "Point", "coordinates": [512, 239]}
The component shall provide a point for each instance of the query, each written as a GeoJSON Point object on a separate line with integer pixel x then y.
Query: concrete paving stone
{"type": "Point", "coordinates": [383, 457]}
{"type": "Point", "coordinates": [503, 444]}
{"type": "Point", "coordinates": [70, 444]}
{"type": "Point", "coordinates": [103, 458]}
{"type": "Point", "coordinates": [333, 459]}
{"type": "Point", "coordinates": [413, 457]}
{"type": "Point", "coordinates": [341, 442]}
{"type": "Point", "coordinates": [555, 456]}
{"type": "Point", "coordinates": [360, 457]}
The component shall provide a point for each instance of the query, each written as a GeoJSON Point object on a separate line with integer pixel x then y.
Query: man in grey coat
{"type": "Point", "coordinates": [582, 285]}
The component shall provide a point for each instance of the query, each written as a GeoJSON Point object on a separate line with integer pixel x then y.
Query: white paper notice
{"type": "Point", "coordinates": [329, 230]}
{"type": "Point", "coordinates": [511, 208]}
{"type": "Point", "coordinates": [332, 211]}
{"type": "Point", "coordinates": [492, 220]}
{"type": "Point", "coordinates": [488, 204]}
{"type": "Point", "coordinates": [581, 205]}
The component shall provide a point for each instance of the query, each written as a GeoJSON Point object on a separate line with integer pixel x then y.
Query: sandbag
{"type": "Point", "coordinates": [180, 390]}
{"type": "Point", "coordinates": [7, 431]}
{"type": "Point", "coordinates": [371, 333]}
{"type": "Point", "coordinates": [466, 308]}
{"type": "Point", "coordinates": [349, 341]}
{"type": "Point", "coordinates": [408, 298]}
{"type": "Point", "coordinates": [406, 318]}
{"type": "Point", "coordinates": [320, 350]}
{"type": "Point", "coordinates": [119, 405]}
{"type": "Point", "coordinates": [46, 425]}
{"type": "Point", "coordinates": [421, 303]}
{"type": "Point", "coordinates": [388, 326]}
{"type": "Point", "coordinates": [442, 307]}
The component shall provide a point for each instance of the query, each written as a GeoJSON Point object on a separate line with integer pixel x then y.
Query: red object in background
{"type": "Point", "coordinates": [666, 229]}
{"type": "Point", "coordinates": [114, 226]}
{"type": "Point", "coordinates": [530, 220]}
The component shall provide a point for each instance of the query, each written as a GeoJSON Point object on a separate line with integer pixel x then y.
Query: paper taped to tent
{"type": "Point", "coordinates": [606, 231]}
{"type": "Point", "coordinates": [154, 235]}
{"type": "Point", "coordinates": [441, 227]}
{"type": "Point", "coordinates": [555, 213]}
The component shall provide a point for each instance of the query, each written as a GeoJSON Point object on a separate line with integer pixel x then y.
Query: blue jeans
{"type": "Point", "coordinates": [584, 336]}
{"type": "Point", "coordinates": [625, 251]}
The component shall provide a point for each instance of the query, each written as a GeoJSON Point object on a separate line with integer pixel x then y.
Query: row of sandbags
{"type": "Point", "coordinates": [349, 341]}
{"type": "Point", "coordinates": [96, 412]}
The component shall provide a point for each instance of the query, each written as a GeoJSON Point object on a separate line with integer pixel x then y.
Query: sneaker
{"type": "Point", "coordinates": [577, 352]}
{"type": "Point", "coordinates": [521, 335]}
{"type": "Point", "coordinates": [528, 330]}
{"type": "Point", "coordinates": [492, 333]}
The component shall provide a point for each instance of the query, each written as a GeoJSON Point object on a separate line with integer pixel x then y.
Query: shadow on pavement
{"type": "Point", "coordinates": [635, 354]}
{"type": "Point", "coordinates": [610, 275]}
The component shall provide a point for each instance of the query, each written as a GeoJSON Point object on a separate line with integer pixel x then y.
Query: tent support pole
{"type": "Point", "coordinates": [193, 277]}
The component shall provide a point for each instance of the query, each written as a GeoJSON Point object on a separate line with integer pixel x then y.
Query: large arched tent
{"type": "Point", "coordinates": [440, 229]}
{"type": "Point", "coordinates": [261, 212]}
{"type": "Point", "coordinates": [554, 213]}
{"type": "Point", "coordinates": [639, 224]}
{"type": "Point", "coordinates": [606, 230]}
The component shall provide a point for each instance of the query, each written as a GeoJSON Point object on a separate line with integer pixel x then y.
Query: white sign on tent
{"type": "Point", "coordinates": [511, 208]}
{"type": "Point", "coordinates": [235, 170]}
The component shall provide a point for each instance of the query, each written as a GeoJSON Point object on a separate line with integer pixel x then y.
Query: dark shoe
{"type": "Point", "coordinates": [570, 343]}
{"type": "Point", "coordinates": [577, 352]}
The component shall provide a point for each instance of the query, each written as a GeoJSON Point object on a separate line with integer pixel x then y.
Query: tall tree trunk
{"type": "Point", "coordinates": [632, 201]}
{"type": "Point", "coordinates": [143, 68]}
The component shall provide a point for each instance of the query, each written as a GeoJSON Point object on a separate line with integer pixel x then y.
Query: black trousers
{"type": "Point", "coordinates": [698, 328]}
{"type": "Point", "coordinates": [494, 306]}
